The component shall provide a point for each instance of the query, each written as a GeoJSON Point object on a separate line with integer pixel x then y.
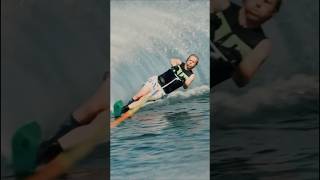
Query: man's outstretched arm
{"type": "Point", "coordinates": [251, 63]}
{"type": "Point", "coordinates": [188, 81]}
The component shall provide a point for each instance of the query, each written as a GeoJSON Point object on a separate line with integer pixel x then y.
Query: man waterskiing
{"type": "Point", "coordinates": [179, 75]}
{"type": "Point", "coordinates": [239, 45]}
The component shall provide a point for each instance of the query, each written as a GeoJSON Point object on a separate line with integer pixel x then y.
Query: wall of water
{"type": "Point", "coordinates": [146, 34]}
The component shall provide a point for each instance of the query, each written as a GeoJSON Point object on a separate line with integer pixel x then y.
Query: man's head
{"type": "Point", "coordinates": [192, 61]}
{"type": "Point", "coordinates": [259, 11]}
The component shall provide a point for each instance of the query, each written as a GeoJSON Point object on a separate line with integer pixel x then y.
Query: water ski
{"type": "Point", "coordinates": [117, 108]}
{"type": "Point", "coordinates": [139, 104]}
{"type": "Point", "coordinates": [25, 143]}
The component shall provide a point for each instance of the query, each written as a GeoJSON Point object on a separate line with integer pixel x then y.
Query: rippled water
{"type": "Point", "coordinates": [275, 142]}
{"type": "Point", "coordinates": [269, 130]}
{"type": "Point", "coordinates": [165, 140]}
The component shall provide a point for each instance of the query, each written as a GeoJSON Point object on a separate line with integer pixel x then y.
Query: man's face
{"type": "Point", "coordinates": [191, 62]}
{"type": "Point", "coordinates": [259, 11]}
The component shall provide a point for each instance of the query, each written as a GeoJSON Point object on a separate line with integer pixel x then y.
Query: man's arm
{"type": "Point", "coordinates": [218, 5]}
{"type": "Point", "coordinates": [175, 61]}
{"type": "Point", "coordinates": [188, 81]}
{"type": "Point", "coordinates": [251, 63]}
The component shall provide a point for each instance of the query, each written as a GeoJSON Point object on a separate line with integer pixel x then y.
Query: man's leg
{"type": "Point", "coordinates": [93, 106]}
{"type": "Point", "coordinates": [156, 92]}
{"type": "Point", "coordinates": [143, 91]}
{"type": "Point", "coordinates": [146, 89]}
{"type": "Point", "coordinates": [86, 133]}
{"type": "Point", "coordinates": [83, 115]}
{"type": "Point", "coordinates": [137, 103]}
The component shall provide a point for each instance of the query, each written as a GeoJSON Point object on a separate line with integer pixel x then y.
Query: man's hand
{"type": "Point", "coordinates": [250, 64]}
{"type": "Point", "coordinates": [188, 81]}
{"type": "Point", "coordinates": [175, 61]}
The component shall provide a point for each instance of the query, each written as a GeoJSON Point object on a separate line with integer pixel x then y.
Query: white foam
{"type": "Point", "coordinates": [191, 92]}
{"type": "Point", "coordinates": [145, 35]}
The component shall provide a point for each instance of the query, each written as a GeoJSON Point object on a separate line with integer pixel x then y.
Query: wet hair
{"type": "Point", "coordinates": [278, 6]}
{"type": "Point", "coordinates": [194, 55]}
